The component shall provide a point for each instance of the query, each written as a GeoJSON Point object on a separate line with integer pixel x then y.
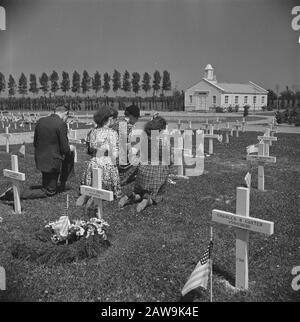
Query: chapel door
{"type": "Point", "coordinates": [202, 102]}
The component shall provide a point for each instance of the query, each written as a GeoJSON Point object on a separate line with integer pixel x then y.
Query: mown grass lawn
{"type": "Point", "coordinates": [153, 253]}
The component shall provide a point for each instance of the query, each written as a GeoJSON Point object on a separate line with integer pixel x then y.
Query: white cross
{"type": "Point", "coordinates": [179, 124]}
{"type": "Point", "coordinates": [7, 135]}
{"type": "Point", "coordinates": [29, 123]}
{"type": "Point", "coordinates": [218, 122]}
{"type": "Point", "coordinates": [243, 223]}
{"type": "Point", "coordinates": [211, 136]}
{"type": "Point", "coordinates": [97, 192]}
{"type": "Point", "coordinates": [206, 126]}
{"type": "Point", "coordinates": [73, 139]}
{"type": "Point", "coordinates": [243, 124]}
{"type": "Point", "coordinates": [267, 138]}
{"type": "Point", "coordinates": [178, 154]}
{"type": "Point", "coordinates": [237, 125]}
{"type": "Point", "coordinates": [227, 130]}
{"type": "Point", "coordinates": [262, 157]}
{"type": "Point", "coordinates": [16, 177]}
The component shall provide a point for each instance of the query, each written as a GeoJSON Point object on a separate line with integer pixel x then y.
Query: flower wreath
{"type": "Point", "coordinates": [63, 231]}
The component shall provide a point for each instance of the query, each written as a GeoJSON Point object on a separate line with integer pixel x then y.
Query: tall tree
{"type": "Point", "coordinates": [2, 83]}
{"type": "Point", "coordinates": [287, 95]}
{"type": "Point", "coordinates": [135, 81]}
{"type": "Point", "coordinates": [278, 96]}
{"type": "Point", "coordinates": [106, 83]}
{"type": "Point", "coordinates": [22, 85]}
{"type": "Point", "coordinates": [54, 82]}
{"type": "Point", "coordinates": [76, 82]}
{"type": "Point", "coordinates": [96, 83]}
{"type": "Point", "coordinates": [11, 86]}
{"type": "Point", "coordinates": [166, 82]}
{"type": "Point", "coordinates": [146, 83]}
{"type": "Point", "coordinates": [271, 97]}
{"type": "Point", "coordinates": [65, 84]}
{"type": "Point", "coordinates": [86, 82]}
{"type": "Point", "coordinates": [116, 81]}
{"type": "Point", "coordinates": [156, 82]}
{"type": "Point", "coordinates": [297, 97]}
{"type": "Point", "coordinates": [44, 81]}
{"type": "Point", "coordinates": [126, 86]}
{"type": "Point", "coordinates": [33, 88]}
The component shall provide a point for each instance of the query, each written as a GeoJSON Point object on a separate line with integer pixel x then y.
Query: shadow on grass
{"type": "Point", "coordinates": [222, 273]}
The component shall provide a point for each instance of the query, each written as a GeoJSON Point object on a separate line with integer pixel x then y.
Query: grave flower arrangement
{"type": "Point", "coordinates": [64, 242]}
{"type": "Point", "coordinates": [63, 231]}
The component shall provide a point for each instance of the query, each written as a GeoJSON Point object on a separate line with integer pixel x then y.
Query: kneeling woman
{"type": "Point", "coordinates": [151, 179]}
{"type": "Point", "coordinates": [104, 141]}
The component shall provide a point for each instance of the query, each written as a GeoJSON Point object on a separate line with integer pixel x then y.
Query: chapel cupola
{"type": "Point", "coordinates": [209, 73]}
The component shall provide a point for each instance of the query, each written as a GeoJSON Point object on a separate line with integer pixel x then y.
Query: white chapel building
{"type": "Point", "coordinates": [209, 93]}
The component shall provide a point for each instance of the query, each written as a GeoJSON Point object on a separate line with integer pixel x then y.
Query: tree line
{"type": "Point", "coordinates": [285, 98]}
{"type": "Point", "coordinates": [52, 84]}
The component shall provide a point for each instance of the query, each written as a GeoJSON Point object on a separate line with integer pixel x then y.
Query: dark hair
{"type": "Point", "coordinates": [61, 109]}
{"type": "Point", "coordinates": [102, 115]}
{"type": "Point", "coordinates": [158, 123]}
{"type": "Point", "coordinates": [114, 113]}
{"type": "Point", "coordinates": [132, 110]}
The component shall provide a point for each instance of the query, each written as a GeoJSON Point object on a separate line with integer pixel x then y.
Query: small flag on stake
{"type": "Point", "coordinates": [248, 180]}
{"type": "Point", "coordinates": [21, 151]}
{"type": "Point", "coordinates": [199, 276]}
{"type": "Point", "coordinates": [252, 148]}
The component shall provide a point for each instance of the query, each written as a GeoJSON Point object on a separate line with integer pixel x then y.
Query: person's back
{"type": "Point", "coordinates": [50, 142]}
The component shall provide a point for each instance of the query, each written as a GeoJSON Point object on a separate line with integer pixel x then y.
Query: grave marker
{"type": "Point", "coordinates": [96, 192]}
{"type": "Point", "coordinates": [262, 158]}
{"type": "Point", "coordinates": [16, 177]}
{"type": "Point", "coordinates": [73, 139]}
{"type": "Point", "coordinates": [217, 123]}
{"type": "Point", "coordinates": [212, 136]}
{"type": "Point", "coordinates": [243, 223]}
{"type": "Point", "coordinates": [237, 125]}
{"type": "Point", "coordinates": [267, 138]}
{"type": "Point", "coordinates": [179, 124]}
{"type": "Point", "coordinates": [244, 124]}
{"type": "Point", "coordinates": [178, 155]}
{"type": "Point", "coordinates": [227, 129]}
{"type": "Point", "coordinates": [7, 135]}
{"type": "Point", "coordinates": [206, 127]}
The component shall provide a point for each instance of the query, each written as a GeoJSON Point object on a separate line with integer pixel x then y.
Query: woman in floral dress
{"type": "Point", "coordinates": [104, 143]}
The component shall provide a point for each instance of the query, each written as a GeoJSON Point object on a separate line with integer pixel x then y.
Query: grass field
{"type": "Point", "coordinates": [153, 253]}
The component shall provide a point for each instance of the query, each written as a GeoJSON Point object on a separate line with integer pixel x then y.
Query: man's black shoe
{"type": "Point", "coordinates": [8, 194]}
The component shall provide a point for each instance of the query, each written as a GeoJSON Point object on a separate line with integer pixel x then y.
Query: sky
{"type": "Point", "coordinates": [242, 39]}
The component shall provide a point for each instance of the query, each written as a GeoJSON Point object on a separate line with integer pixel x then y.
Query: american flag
{"type": "Point", "coordinates": [248, 179]}
{"type": "Point", "coordinates": [252, 148]}
{"type": "Point", "coordinates": [199, 276]}
{"type": "Point", "coordinates": [21, 151]}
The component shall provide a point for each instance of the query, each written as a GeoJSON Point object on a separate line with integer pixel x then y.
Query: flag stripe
{"type": "Point", "coordinates": [197, 279]}
{"type": "Point", "coordinates": [199, 276]}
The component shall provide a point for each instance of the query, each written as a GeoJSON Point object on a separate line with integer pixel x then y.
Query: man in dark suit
{"type": "Point", "coordinates": [53, 154]}
{"type": "Point", "coordinates": [54, 157]}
